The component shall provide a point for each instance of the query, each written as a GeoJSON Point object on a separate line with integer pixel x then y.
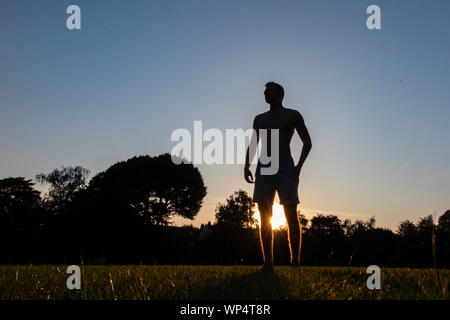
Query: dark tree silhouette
{"type": "Point", "coordinates": [443, 239]}
{"type": "Point", "coordinates": [17, 194]}
{"type": "Point", "coordinates": [153, 188]}
{"type": "Point", "coordinates": [425, 229]}
{"type": "Point", "coordinates": [234, 238]}
{"type": "Point", "coordinates": [323, 241]}
{"type": "Point", "coordinates": [407, 229]}
{"type": "Point", "coordinates": [326, 225]}
{"type": "Point", "coordinates": [19, 204]}
{"type": "Point", "coordinates": [444, 222]}
{"type": "Point", "coordinates": [20, 219]}
{"type": "Point", "coordinates": [359, 226]}
{"type": "Point", "coordinates": [64, 184]}
{"type": "Point", "coordinates": [237, 211]}
{"type": "Point", "coordinates": [303, 221]}
{"type": "Point", "coordinates": [425, 225]}
{"type": "Point", "coordinates": [122, 217]}
{"type": "Point", "coordinates": [408, 243]}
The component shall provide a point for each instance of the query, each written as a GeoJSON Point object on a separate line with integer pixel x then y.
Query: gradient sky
{"type": "Point", "coordinates": [376, 103]}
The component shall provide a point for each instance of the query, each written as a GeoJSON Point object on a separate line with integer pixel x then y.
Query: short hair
{"type": "Point", "coordinates": [276, 86]}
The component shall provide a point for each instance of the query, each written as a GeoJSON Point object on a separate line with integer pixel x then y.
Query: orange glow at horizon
{"type": "Point", "coordinates": [278, 219]}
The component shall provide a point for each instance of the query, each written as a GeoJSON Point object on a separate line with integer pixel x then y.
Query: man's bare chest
{"type": "Point", "coordinates": [281, 122]}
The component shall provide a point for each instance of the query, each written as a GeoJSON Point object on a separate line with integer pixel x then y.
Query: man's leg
{"type": "Point", "coordinates": [266, 234]}
{"type": "Point", "coordinates": [294, 232]}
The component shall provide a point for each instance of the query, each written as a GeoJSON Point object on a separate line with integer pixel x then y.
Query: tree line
{"type": "Point", "coordinates": [122, 216]}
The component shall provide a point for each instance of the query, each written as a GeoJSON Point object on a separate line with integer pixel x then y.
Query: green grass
{"type": "Point", "coordinates": [218, 282]}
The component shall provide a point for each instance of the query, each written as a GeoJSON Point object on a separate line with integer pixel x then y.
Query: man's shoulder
{"type": "Point", "coordinates": [293, 114]}
{"type": "Point", "coordinates": [261, 115]}
{"type": "Point", "coordinates": [292, 111]}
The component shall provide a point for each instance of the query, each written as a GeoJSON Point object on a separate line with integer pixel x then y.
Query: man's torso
{"type": "Point", "coordinates": [284, 120]}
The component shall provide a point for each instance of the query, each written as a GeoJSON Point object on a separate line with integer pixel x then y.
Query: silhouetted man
{"type": "Point", "coordinates": [286, 180]}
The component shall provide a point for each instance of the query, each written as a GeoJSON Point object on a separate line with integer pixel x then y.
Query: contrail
{"type": "Point", "coordinates": [411, 160]}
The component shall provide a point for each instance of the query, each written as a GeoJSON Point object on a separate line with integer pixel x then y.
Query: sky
{"type": "Point", "coordinates": [376, 102]}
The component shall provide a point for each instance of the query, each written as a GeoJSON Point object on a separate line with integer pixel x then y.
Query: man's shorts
{"type": "Point", "coordinates": [285, 182]}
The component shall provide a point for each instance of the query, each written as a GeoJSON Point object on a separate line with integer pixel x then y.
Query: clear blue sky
{"type": "Point", "coordinates": [376, 102]}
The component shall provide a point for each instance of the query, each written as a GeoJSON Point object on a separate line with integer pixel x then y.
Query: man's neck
{"type": "Point", "coordinates": [276, 106]}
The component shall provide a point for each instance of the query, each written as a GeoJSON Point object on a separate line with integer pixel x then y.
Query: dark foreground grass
{"type": "Point", "coordinates": [218, 282]}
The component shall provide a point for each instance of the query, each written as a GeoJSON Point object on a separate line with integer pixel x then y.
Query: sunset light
{"type": "Point", "coordinates": [278, 219]}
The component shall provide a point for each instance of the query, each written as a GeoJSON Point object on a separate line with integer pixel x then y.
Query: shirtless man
{"type": "Point", "coordinates": [286, 180]}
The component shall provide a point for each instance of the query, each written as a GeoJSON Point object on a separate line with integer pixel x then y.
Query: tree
{"type": "Point", "coordinates": [237, 211]}
{"type": "Point", "coordinates": [303, 220]}
{"type": "Point", "coordinates": [20, 220]}
{"type": "Point", "coordinates": [425, 226]}
{"type": "Point", "coordinates": [17, 194]}
{"type": "Point", "coordinates": [407, 229]}
{"type": "Point", "coordinates": [329, 225]}
{"type": "Point", "coordinates": [325, 237]}
{"type": "Point", "coordinates": [359, 226]}
{"type": "Point", "coordinates": [423, 241]}
{"type": "Point", "coordinates": [444, 223]}
{"type": "Point", "coordinates": [64, 184]}
{"type": "Point", "coordinates": [18, 204]}
{"type": "Point", "coordinates": [152, 188]}
{"type": "Point", "coordinates": [443, 239]}
{"type": "Point", "coordinates": [235, 240]}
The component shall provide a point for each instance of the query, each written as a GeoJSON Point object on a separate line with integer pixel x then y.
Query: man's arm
{"type": "Point", "coordinates": [251, 151]}
{"type": "Point", "coordinates": [306, 139]}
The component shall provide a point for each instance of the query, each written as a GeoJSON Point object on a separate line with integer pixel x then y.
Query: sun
{"type": "Point", "coordinates": [278, 219]}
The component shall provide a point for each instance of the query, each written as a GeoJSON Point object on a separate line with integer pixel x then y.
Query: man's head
{"type": "Point", "coordinates": [274, 93]}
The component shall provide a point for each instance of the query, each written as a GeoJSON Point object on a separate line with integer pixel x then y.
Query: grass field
{"type": "Point", "coordinates": [218, 282]}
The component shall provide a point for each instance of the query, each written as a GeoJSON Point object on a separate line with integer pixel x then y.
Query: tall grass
{"type": "Point", "coordinates": [141, 282]}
